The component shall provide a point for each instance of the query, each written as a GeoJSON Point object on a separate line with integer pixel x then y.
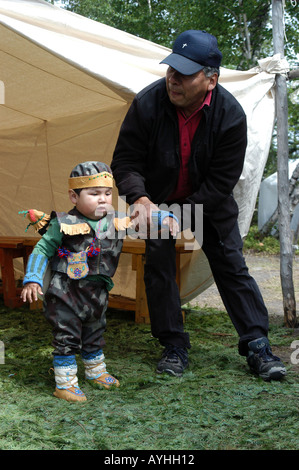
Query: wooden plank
{"type": "Point", "coordinates": [122, 303]}
{"type": "Point", "coordinates": [134, 247]}
{"type": "Point", "coordinates": [141, 312]}
{"type": "Point", "coordinates": [10, 243]}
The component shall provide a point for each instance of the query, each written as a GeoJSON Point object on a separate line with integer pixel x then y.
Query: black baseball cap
{"type": "Point", "coordinates": [192, 51]}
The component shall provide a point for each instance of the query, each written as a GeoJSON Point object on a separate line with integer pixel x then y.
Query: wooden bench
{"type": "Point", "coordinates": [11, 248]}
{"type": "Point", "coordinates": [21, 247]}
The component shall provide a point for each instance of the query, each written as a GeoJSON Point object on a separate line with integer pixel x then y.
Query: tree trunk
{"type": "Point", "coordinates": [293, 74]}
{"type": "Point", "coordinates": [245, 33]}
{"type": "Point", "coordinates": [286, 252]}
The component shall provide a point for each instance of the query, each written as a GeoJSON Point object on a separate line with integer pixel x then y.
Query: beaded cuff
{"type": "Point", "coordinates": [36, 267]}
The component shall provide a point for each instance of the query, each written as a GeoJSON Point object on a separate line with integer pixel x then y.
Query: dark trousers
{"type": "Point", "coordinates": [239, 291]}
{"type": "Point", "coordinates": [76, 310]}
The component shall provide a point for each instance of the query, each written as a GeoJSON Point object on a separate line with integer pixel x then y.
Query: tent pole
{"type": "Point", "coordinates": [286, 251]}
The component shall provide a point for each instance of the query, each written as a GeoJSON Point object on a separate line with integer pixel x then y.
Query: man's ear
{"type": "Point", "coordinates": [73, 196]}
{"type": "Point", "coordinates": [213, 81]}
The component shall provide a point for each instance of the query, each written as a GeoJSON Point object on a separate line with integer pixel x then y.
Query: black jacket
{"type": "Point", "coordinates": [146, 159]}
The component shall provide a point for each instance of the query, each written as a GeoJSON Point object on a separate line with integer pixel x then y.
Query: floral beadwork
{"type": "Point", "coordinates": [78, 272]}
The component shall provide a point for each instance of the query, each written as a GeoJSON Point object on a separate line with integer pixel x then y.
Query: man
{"type": "Point", "coordinates": [183, 141]}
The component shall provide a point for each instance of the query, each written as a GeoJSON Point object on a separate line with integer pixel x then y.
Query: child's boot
{"type": "Point", "coordinates": [95, 369]}
{"type": "Point", "coordinates": [65, 370]}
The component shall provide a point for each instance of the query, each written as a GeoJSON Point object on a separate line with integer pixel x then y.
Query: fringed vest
{"type": "Point", "coordinates": [103, 248]}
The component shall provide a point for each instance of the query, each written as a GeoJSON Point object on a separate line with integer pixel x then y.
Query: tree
{"type": "Point", "coordinates": [243, 28]}
{"type": "Point", "coordinates": [286, 255]}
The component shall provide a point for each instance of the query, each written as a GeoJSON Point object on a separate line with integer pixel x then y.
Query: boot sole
{"type": "Point", "coordinates": [170, 372]}
{"type": "Point", "coordinates": [276, 373]}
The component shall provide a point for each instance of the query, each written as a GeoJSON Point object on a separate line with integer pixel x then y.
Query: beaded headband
{"type": "Point", "coordinates": [104, 179]}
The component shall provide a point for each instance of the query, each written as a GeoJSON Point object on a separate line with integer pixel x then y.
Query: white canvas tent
{"type": "Point", "coordinates": [65, 85]}
{"type": "Point", "coordinates": [268, 199]}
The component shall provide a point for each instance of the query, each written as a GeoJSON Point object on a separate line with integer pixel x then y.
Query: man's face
{"type": "Point", "coordinates": [188, 91]}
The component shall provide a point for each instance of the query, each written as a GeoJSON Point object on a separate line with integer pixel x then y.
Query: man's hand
{"type": "Point", "coordinates": [171, 224]}
{"type": "Point", "coordinates": [30, 291]}
{"type": "Point", "coordinates": [142, 215]}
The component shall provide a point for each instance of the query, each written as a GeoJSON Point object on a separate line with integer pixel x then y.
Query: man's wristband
{"type": "Point", "coordinates": [158, 217]}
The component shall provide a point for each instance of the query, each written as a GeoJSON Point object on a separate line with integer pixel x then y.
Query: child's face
{"type": "Point", "coordinates": [93, 203]}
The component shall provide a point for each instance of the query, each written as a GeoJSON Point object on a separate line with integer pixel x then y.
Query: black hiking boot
{"type": "Point", "coordinates": [174, 360]}
{"type": "Point", "coordinates": [262, 362]}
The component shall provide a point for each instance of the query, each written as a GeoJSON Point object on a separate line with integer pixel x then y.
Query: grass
{"type": "Point", "coordinates": [217, 405]}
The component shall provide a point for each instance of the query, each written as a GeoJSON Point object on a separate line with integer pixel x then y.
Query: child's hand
{"type": "Point", "coordinates": [172, 224]}
{"type": "Point", "coordinates": [30, 291]}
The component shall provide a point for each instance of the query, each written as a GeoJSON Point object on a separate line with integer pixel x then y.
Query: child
{"type": "Point", "coordinates": [84, 250]}
{"type": "Point", "coordinates": [83, 247]}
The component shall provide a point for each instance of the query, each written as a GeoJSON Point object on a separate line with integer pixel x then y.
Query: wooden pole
{"type": "Point", "coordinates": [286, 251]}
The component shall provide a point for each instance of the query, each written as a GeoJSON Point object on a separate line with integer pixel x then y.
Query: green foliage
{"type": "Point", "coordinates": [256, 242]}
{"type": "Point", "coordinates": [218, 404]}
{"type": "Point", "coordinates": [243, 30]}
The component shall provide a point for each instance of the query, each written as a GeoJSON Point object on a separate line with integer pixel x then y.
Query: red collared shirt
{"type": "Point", "coordinates": [187, 128]}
